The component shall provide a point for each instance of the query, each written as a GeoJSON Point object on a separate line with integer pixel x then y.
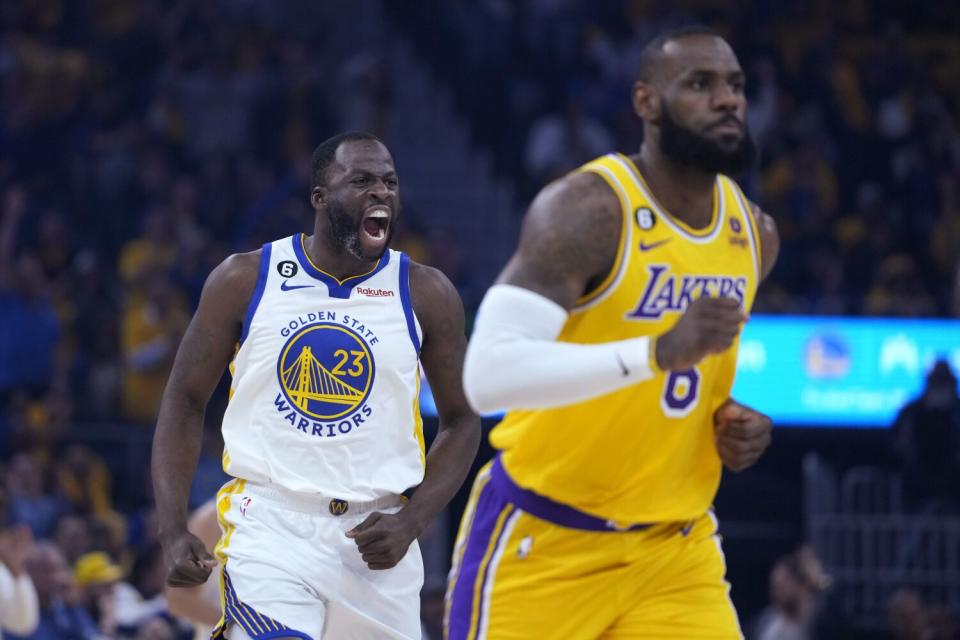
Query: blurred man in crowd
{"type": "Point", "coordinates": [927, 443]}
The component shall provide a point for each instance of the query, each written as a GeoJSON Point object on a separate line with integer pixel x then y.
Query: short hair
{"type": "Point", "coordinates": [652, 53]}
{"type": "Point", "coordinates": [324, 154]}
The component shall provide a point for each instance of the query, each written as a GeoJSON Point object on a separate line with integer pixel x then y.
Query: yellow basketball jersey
{"type": "Point", "coordinates": [645, 453]}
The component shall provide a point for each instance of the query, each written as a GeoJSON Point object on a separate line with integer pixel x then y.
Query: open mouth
{"type": "Point", "coordinates": [376, 222]}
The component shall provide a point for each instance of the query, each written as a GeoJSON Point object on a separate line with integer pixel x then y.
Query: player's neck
{"type": "Point", "coordinates": [333, 258]}
{"type": "Point", "coordinates": [686, 194]}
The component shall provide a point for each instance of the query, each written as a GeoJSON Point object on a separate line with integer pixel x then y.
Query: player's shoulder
{"type": "Point", "coordinates": [579, 199]}
{"type": "Point", "coordinates": [429, 283]}
{"type": "Point", "coordinates": [434, 297]}
{"type": "Point", "coordinates": [235, 277]}
{"type": "Point", "coordinates": [240, 267]}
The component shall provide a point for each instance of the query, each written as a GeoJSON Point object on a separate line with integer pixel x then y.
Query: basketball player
{"type": "Point", "coordinates": [611, 339]}
{"type": "Point", "coordinates": [325, 335]}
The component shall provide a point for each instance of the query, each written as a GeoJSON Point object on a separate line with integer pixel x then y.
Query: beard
{"type": "Point", "coordinates": [689, 149]}
{"type": "Point", "coordinates": [346, 231]}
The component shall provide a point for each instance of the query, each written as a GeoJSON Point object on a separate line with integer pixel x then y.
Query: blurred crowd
{"type": "Point", "coordinates": [805, 605]}
{"type": "Point", "coordinates": [141, 141]}
{"type": "Point", "coordinates": [853, 105]}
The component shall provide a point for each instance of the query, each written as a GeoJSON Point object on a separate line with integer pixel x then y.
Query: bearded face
{"type": "Point", "coordinates": [731, 151]}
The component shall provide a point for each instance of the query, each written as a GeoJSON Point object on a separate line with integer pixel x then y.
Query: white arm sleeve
{"type": "Point", "coordinates": [514, 361]}
{"type": "Point", "coordinates": [19, 610]}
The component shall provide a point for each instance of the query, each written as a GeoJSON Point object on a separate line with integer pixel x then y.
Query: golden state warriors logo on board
{"type": "Point", "coordinates": [326, 371]}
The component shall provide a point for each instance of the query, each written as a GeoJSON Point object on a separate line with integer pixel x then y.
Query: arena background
{"type": "Point", "coordinates": [143, 141]}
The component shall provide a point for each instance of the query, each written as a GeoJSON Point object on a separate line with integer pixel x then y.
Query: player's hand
{"type": "Point", "coordinates": [709, 325]}
{"type": "Point", "coordinates": [742, 434]}
{"type": "Point", "coordinates": [187, 559]}
{"type": "Point", "coordinates": [16, 544]}
{"type": "Point", "coordinates": [382, 539]}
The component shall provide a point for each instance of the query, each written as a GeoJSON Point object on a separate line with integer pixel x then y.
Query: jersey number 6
{"type": "Point", "coordinates": [681, 392]}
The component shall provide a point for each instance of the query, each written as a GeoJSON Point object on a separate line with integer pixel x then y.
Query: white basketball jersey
{"type": "Point", "coordinates": [326, 380]}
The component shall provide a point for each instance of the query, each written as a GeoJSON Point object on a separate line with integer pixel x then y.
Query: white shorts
{"type": "Point", "coordinates": [289, 570]}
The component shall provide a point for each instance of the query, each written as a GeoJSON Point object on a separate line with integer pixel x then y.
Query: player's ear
{"type": "Point", "coordinates": [646, 102]}
{"type": "Point", "coordinates": [318, 196]}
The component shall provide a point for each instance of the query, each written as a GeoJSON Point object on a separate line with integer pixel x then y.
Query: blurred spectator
{"type": "Point", "coordinates": [60, 616]}
{"type": "Point", "coordinates": [31, 501]}
{"type": "Point", "coordinates": [802, 603]}
{"type": "Point", "coordinates": [116, 605]}
{"type": "Point", "coordinates": [153, 251]}
{"type": "Point", "coordinates": [96, 578]}
{"type": "Point", "coordinates": [792, 601]}
{"type": "Point", "coordinates": [926, 441]}
{"type": "Point", "coordinates": [561, 142]}
{"type": "Point", "coordinates": [898, 290]}
{"type": "Point", "coordinates": [907, 616]}
{"type": "Point", "coordinates": [19, 609]}
{"type": "Point", "coordinates": [83, 479]}
{"type": "Point", "coordinates": [152, 326]}
{"type": "Point", "coordinates": [157, 628]}
{"type": "Point", "coordinates": [72, 536]}
{"type": "Point", "coordinates": [30, 327]}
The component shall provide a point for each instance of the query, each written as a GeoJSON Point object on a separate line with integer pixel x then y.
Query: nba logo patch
{"type": "Point", "coordinates": [244, 504]}
{"type": "Point", "coordinates": [734, 225]}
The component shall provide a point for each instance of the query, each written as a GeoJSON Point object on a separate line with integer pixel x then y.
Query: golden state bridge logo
{"type": "Point", "coordinates": [326, 371]}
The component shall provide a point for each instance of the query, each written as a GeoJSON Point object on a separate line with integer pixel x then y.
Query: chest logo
{"type": "Point", "coordinates": [291, 287]}
{"type": "Point", "coordinates": [644, 246]}
{"type": "Point", "coordinates": [326, 370]}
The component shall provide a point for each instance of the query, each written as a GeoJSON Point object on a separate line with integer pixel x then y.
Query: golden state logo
{"type": "Point", "coordinates": [326, 372]}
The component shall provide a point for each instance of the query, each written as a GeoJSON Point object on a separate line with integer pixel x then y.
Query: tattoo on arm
{"type": "Point", "coordinates": [569, 239]}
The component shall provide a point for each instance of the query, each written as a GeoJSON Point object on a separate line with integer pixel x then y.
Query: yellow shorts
{"type": "Point", "coordinates": [519, 576]}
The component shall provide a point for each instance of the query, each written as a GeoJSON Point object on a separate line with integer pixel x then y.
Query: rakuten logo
{"type": "Point", "coordinates": [375, 293]}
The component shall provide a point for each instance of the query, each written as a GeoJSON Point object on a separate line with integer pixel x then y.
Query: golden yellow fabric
{"type": "Point", "coordinates": [645, 453]}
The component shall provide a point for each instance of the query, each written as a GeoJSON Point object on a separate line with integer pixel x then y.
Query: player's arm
{"type": "Point", "coordinates": [204, 353]}
{"type": "Point", "coordinates": [743, 433]}
{"type": "Point", "coordinates": [769, 240]}
{"type": "Point", "coordinates": [568, 245]}
{"type": "Point", "coordinates": [200, 603]}
{"type": "Point", "coordinates": [383, 540]}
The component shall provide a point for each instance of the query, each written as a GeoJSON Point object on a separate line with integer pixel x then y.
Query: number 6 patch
{"type": "Point", "coordinates": [645, 218]}
{"type": "Point", "coordinates": [287, 268]}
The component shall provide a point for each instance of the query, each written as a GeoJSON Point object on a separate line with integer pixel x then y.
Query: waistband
{"type": "Point", "coordinates": [317, 503]}
{"type": "Point", "coordinates": [549, 510]}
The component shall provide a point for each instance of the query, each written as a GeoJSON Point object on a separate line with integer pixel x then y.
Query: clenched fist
{"type": "Point", "coordinates": [709, 325]}
{"type": "Point", "coordinates": [187, 559]}
{"type": "Point", "coordinates": [742, 434]}
{"type": "Point", "coordinates": [383, 539]}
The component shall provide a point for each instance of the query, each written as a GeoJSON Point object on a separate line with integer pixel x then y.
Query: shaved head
{"type": "Point", "coordinates": [655, 52]}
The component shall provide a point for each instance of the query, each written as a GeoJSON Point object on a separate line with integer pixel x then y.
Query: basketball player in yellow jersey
{"type": "Point", "coordinates": [611, 339]}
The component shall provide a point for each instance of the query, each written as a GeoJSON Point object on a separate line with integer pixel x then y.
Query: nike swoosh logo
{"type": "Point", "coordinates": [288, 287]}
{"type": "Point", "coordinates": [652, 245]}
{"type": "Point", "coordinates": [623, 367]}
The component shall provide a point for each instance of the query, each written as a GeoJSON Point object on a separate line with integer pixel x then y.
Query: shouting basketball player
{"type": "Point", "coordinates": [325, 335]}
{"type": "Point", "coordinates": [611, 338]}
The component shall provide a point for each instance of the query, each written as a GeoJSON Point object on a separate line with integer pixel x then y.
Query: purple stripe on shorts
{"type": "Point", "coordinates": [546, 509]}
{"type": "Point", "coordinates": [489, 508]}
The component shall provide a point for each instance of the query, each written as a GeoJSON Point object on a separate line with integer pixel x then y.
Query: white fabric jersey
{"type": "Point", "coordinates": [326, 379]}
